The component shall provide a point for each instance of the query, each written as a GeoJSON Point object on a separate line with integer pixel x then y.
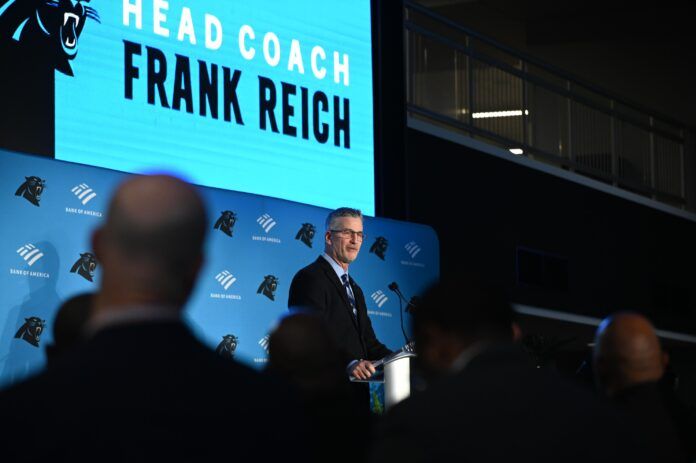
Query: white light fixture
{"type": "Point", "coordinates": [493, 114]}
{"type": "Point", "coordinates": [517, 151]}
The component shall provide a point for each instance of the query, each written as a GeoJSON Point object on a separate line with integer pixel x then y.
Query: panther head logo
{"type": "Point", "coordinates": [226, 222]}
{"type": "Point", "coordinates": [31, 189]}
{"type": "Point", "coordinates": [85, 266]}
{"type": "Point", "coordinates": [379, 247]}
{"type": "Point", "coordinates": [268, 287]}
{"type": "Point", "coordinates": [31, 330]}
{"type": "Point", "coordinates": [306, 234]}
{"type": "Point", "coordinates": [53, 26]}
{"type": "Point", "coordinates": [227, 346]}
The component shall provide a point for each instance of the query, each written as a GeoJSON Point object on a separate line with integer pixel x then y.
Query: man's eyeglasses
{"type": "Point", "coordinates": [347, 233]}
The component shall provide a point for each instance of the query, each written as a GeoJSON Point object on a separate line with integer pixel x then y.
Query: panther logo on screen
{"type": "Point", "coordinates": [31, 330]}
{"type": "Point", "coordinates": [227, 346]}
{"type": "Point", "coordinates": [306, 234]}
{"type": "Point", "coordinates": [85, 266]}
{"type": "Point", "coordinates": [31, 189]}
{"type": "Point", "coordinates": [51, 26]}
{"type": "Point", "coordinates": [226, 222]}
{"type": "Point", "coordinates": [379, 247]}
{"type": "Point", "coordinates": [268, 287]}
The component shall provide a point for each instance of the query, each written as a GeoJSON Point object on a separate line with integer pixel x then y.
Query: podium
{"type": "Point", "coordinates": [396, 376]}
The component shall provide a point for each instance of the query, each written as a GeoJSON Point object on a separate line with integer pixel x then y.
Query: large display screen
{"type": "Point", "coordinates": [268, 97]}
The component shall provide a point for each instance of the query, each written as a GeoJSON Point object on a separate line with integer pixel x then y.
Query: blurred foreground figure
{"type": "Point", "coordinates": [68, 327]}
{"type": "Point", "coordinates": [142, 388]}
{"type": "Point", "coordinates": [488, 402]}
{"type": "Point", "coordinates": [629, 363]}
{"type": "Point", "coordinates": [302, 351]}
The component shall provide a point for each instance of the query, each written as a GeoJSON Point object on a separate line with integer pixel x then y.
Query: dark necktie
{"type": "Point", "coordinates": [349, 292]}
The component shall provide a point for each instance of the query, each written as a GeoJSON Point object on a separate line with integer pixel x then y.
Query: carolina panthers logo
{"type": "Point", "coordinates": [31, 330]}
{"type": "Point", "coordinates": [268, 287]}
{"type": "Point", "coordinates": [306, 234]}
{"type": "Point", "coordinates": [227, 346]}
{"type": "Point", "coordinates": [379, 247]}
{"type": "Point", "coordinates": [31, 189]}
{"type": "Point", "coordinates": [226, 222]}
{"type": "Point", "coordinates": [51, 26]}
{"type": "Point", "coordinates": [85, 266]}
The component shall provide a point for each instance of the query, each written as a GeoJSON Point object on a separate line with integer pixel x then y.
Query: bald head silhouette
{"type": "Point", "coordinates": [150, 247]}
{"type": "Point", "coordinates": [301, 350]}
{"type": "Point", "coordinates": [627, 352]}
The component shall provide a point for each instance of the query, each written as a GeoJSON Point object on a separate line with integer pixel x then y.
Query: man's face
{"type": "Point", "coordinates": [343, 243]}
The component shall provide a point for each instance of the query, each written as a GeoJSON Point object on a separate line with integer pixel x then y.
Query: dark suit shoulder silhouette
{"type": "Point", "coordinates": [500, 408]}
{"type": "Point", "coordinates": [150, 392]}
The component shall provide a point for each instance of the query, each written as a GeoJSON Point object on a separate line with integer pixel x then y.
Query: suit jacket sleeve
{"type": "Point", "coordinates": [375, 349]}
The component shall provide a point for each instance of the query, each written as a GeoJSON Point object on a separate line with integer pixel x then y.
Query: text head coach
{"type": "Point", "coordinates": [325, 287]}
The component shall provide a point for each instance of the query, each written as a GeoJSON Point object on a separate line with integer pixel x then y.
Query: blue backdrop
{"type": "Point", "coordinates": [41, 242]}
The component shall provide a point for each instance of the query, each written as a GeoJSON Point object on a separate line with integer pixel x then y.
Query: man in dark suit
{"type": "Point", "coordinates": [325, 287]}
{"type": "Point", "coordinates": [486, 402]}
{"type": "Point", "coordinates": [142, 388]}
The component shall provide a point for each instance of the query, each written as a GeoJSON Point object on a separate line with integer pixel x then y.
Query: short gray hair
{"type": "Point", "coordinates": [342, 212]}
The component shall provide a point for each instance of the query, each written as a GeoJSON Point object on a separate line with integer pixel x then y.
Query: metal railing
{"type": "Point", "coordinates": [470, 83]}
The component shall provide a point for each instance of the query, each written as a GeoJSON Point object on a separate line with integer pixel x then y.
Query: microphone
{"type": "Point", "coordinates": [410, 305]}
{"type": "Point", "coordinates": [394, 287]}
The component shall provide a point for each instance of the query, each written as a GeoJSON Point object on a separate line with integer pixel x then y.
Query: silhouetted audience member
{"type": "Point", "coordinates": [68, 327]}
{"type": "Point", "coordinates": [302, 351]}
{"type": "Point", "coordinates": [489, 402]}
{"type": "Point", "coordinates": [629, 363]}
{"type": "Point", "coordinates": [142, 388]}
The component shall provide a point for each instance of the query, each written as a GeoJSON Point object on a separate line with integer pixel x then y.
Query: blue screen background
{"type": "Point", "coordinates": [97, 125]}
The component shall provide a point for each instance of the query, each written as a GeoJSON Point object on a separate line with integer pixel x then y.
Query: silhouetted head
{"type": "Point", "coordinates": [151, 245]}
{"type": "Point", "coordinates": [302, 351]}
{"type": "Point", "coordinates": [627, 352]}
{"type": "Point", "coordinates": [69, 325]}
{"type": "Point", "coordinates": [458, 313]}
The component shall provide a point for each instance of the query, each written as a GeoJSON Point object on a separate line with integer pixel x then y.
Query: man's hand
{"type": "Point", "coordinates": [362, 370]}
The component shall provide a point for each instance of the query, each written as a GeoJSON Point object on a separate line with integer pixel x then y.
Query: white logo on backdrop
{"type": "Point", "coordinates": [413, 249]}
{"type": "Point", "coordinates": [379, 298]}
{"type": "Point", "coordinates": [267, 222]}
{"type": "Point", "coordinates": [84, 193]}
{"type": "Point", "coordinates": [263, 342]}
{"type": "Point", "coordinates": [30, 253]}
{"type": "Point", "coordinates": [225, 279]}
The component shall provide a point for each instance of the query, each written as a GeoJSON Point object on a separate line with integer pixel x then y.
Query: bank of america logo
{"type": "Point", "coordinates": [379, 298]}
{"type": "Point", "coordinates": [263, 342]}
{"type": "Point", "coordinates": [413, 249]}
{"type": "Point", "coordinates": [225, 279]}
{"type": "Point", "coordinates": [30, 253]}
{"type": "Point", "coordinates": [84, 193]}
{"type": "Point", "coordinates": [266, 222]}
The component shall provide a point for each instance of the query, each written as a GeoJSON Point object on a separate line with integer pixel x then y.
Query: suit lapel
{"type": "Point", "coordinates": [331, 275]}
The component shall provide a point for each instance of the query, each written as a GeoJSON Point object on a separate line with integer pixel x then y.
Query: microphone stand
{"type": "Point", "coordinates": [394, 287]}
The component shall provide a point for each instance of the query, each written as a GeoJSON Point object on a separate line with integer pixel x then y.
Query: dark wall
{"type": "Point", "coordinates": [389, 104]}
{"type": "Point", "coordinates": [553, 243]}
